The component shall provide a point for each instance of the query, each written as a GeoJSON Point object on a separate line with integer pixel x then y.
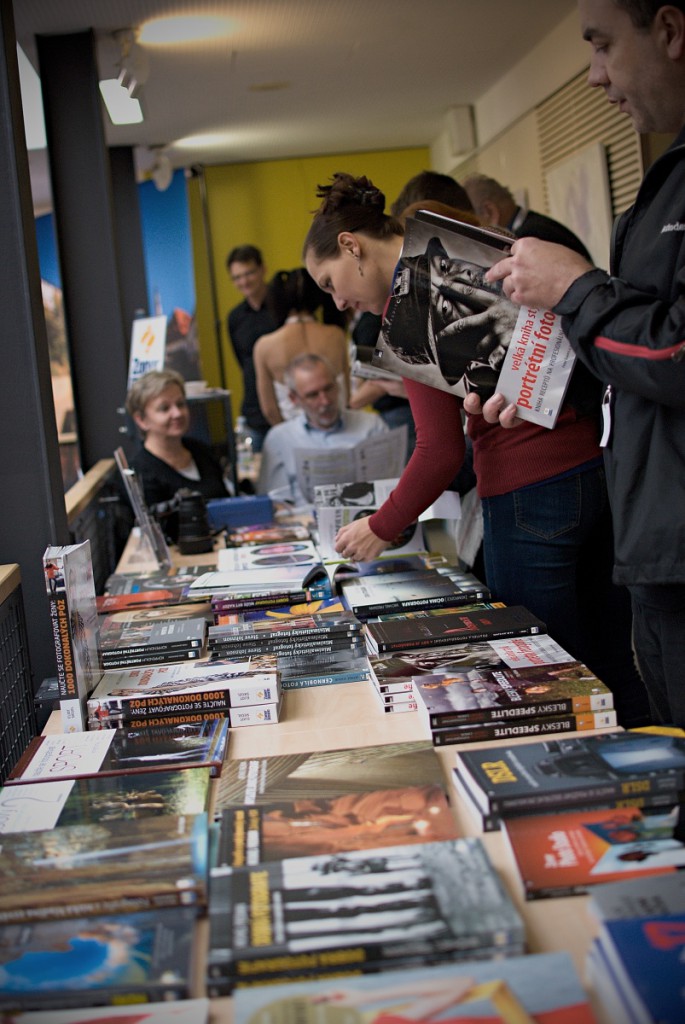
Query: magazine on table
{"type": "Point", "coordinates": [445, 326]}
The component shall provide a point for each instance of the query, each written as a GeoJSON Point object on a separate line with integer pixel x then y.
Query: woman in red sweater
{"type": "Point", "coordinates": [547, 530]}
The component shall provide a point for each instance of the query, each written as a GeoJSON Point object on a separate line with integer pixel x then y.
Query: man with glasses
{"type": "Point", "coordinates": [313, 388]}
{"type": "Point", "coordinates": [246, 323]}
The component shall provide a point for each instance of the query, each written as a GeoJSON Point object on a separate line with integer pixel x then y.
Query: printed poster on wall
{"type": "Point", "coordinates": [148, 343]}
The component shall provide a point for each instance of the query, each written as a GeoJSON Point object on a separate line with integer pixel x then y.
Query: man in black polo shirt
{"type": "Point", "coordinates": [246, 322]}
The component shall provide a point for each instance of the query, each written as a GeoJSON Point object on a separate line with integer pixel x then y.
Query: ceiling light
{"type": "Point", "coordinates": [186, 29]}
{"type": "Point", "coordinates": [121, 106]}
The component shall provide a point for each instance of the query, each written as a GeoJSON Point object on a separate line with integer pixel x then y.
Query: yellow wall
{"type": "Point", "coordinates": [270, 205]}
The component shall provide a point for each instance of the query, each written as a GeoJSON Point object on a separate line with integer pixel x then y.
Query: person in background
{"type": "Point", "coordinates": [293, 299]}
{"type": "Point", "coordinates": [320, 424]}
{"type": "Point", "coordinates": [547, 527]}
{"type": "Point", "coordinates": [246, 323]}
{"type": "Point", "coordinates": [169, 460]}
{"type": "Point", "coordinates": [628, 328]}
{"type": "Point", "coordinates": [496, 207]}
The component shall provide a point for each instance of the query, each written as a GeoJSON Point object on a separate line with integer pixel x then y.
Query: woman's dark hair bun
{"type": "Point", "coordinates": [347, 190]}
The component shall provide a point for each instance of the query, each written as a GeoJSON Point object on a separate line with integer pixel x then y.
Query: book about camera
{"type": "Point", "coordinates": [366, 909]}
{"type": "Point", "coordinates": [68, 571]}
{"type": "Point", "coordinates": [503, 990]}
{"type": "Point", "coordinates": [100, 960]}
{"type": "Point", "coordinates": [47, 804]}
{"type": "Point", "coordinates": [160, 689]}
{"type": "Point", "coordinates": [330, 773]}
{"type": "Point", "coordinates": [108, 867]}
{"type": "Point", "coordinates": [445, 326]}
{"type": "Point", "coordinates": [454, 627]}
{"type": "Point", "coordinates": [574, 771]}
{"type": "Point", "coordinates": [349, 821]}
{"type": "Point", "coordinates": [563, 854]}
{"type": "Point", "coordinates": [190, 744]}
{"type": "Point", "coordinates": [476, 695]}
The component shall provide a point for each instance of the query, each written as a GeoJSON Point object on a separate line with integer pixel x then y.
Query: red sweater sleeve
{"type": "Point", "coordinates": [436, 459]}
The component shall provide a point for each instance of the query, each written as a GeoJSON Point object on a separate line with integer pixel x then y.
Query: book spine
{"type": "Point", "coordinates": [214, 700]}
{"type": "Point", "coordinates": [416, 604]}
{"type": "Point", "coordinates": [64, 650]}
{"type": "Point", "coordinates": [610, 794]}
{"type": "Point", "coordinates": [533, 727]}
{"type": "Point", "coordinates": [188, 718]}
{"type": "Point", "coordinates": [112, 905]}
{"type": "Point", "coordinates": [152, 659]}
{"type": "Point", "coordinates": [121, 651]}
{"type": "Point", "coordinates": [258, 635]}
{"type": "Point", "coordinates": [477, 716]}
{"type": "Point", "coordinates": [287, 649]}
{"type": "Point", "coordinates": [266, 600]}
{"type": "Point", "coordinates": [309, 681]}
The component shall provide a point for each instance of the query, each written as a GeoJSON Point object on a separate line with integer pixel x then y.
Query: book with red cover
{"type": "Point", "coordinates": [565, 854]}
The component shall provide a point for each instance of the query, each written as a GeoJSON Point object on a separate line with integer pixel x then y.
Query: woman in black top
{"type": "Point", "coordinates": [168, 460]}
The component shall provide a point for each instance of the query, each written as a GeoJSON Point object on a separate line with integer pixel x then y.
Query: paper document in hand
{"type": "Point", "coordinates": [337, 504]}
{"type": "Point", "coordinates": [446, 327]}
{"type": "Point", "coordinates": [380, 455]}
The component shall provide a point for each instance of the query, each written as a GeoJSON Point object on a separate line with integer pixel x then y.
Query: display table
{"type": "Point", "coordinates": [347, 715]}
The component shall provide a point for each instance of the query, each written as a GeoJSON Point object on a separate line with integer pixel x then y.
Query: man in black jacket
{"type": "Point", "coordinates": [628, 328]}
{"type": "Point", "coordinates": [496, 207]}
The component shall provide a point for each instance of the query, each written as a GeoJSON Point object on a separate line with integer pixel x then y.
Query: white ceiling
{"type": "Point", "coordinates": [302, 77]}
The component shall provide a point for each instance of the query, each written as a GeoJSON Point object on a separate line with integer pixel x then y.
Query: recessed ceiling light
{"type": "Point", "coordinates": [185, 29]}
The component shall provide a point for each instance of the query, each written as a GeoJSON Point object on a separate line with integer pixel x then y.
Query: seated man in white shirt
{"type": "Point", "coordinates": [321, 424]}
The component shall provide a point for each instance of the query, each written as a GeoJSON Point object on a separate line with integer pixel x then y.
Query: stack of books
{"type": "Point", "coordinates": [244, 690]}
{"type": "Point", "coordinates": [326, 647]}
{"type": "Point", "coordinates": [474, 704]}
{"type": "Point", "coordinates": [259, 588]}
{"type": "Point", "coordinates": [146, 638]}
{"type": "Point", "coordinates": [68, 572]}
{"type": "Point", "coordinates": [635, 964]}
{"type": "Point", "coordinates": [634, 770]}
{"type": "Point", "coordinates": [346, 859]}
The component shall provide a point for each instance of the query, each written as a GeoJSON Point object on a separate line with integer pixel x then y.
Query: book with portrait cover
{"type": "Point", "coordinates": [510, 991]}
{"type": "Point", "coordinates": [260, 781]}
{"type": "Point", "coordinates": [475, 695]}
{"type": "Point", "coordinates": [401, 633]}
{"type": "Point", "coordinates": [445, 326]}
{"type": "Point", "coordinates": [195, 743]}
{"type": "Point", "coordinates": [104, 867]}
{"type": "Point", "coordinates": [574, 771]}
{"type": "Point", "coordinates": [565, 853]}
{"type": "Point", "coordinates": [99, 960]}
{"type": "Point", "coordinates": [349, 821]}
{"type": "Point", "coordinates": [44, 805]}
{"type": "Point", "coordinates": [68, 572]}
{"type": "Point", "coordinates": [363, 909]}
{"type": "Point", "coordinates": [159, 689]}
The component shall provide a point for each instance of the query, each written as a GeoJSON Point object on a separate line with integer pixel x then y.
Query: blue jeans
{"type": "Point", "coordinates": [549, 547]}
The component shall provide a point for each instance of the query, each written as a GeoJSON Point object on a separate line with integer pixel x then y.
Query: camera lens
{"type": "Point", "coordinates": [194, 535]}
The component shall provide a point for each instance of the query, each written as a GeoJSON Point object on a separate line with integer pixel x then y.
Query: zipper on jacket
{"type": "Point", "coordinates": [606, 415]}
